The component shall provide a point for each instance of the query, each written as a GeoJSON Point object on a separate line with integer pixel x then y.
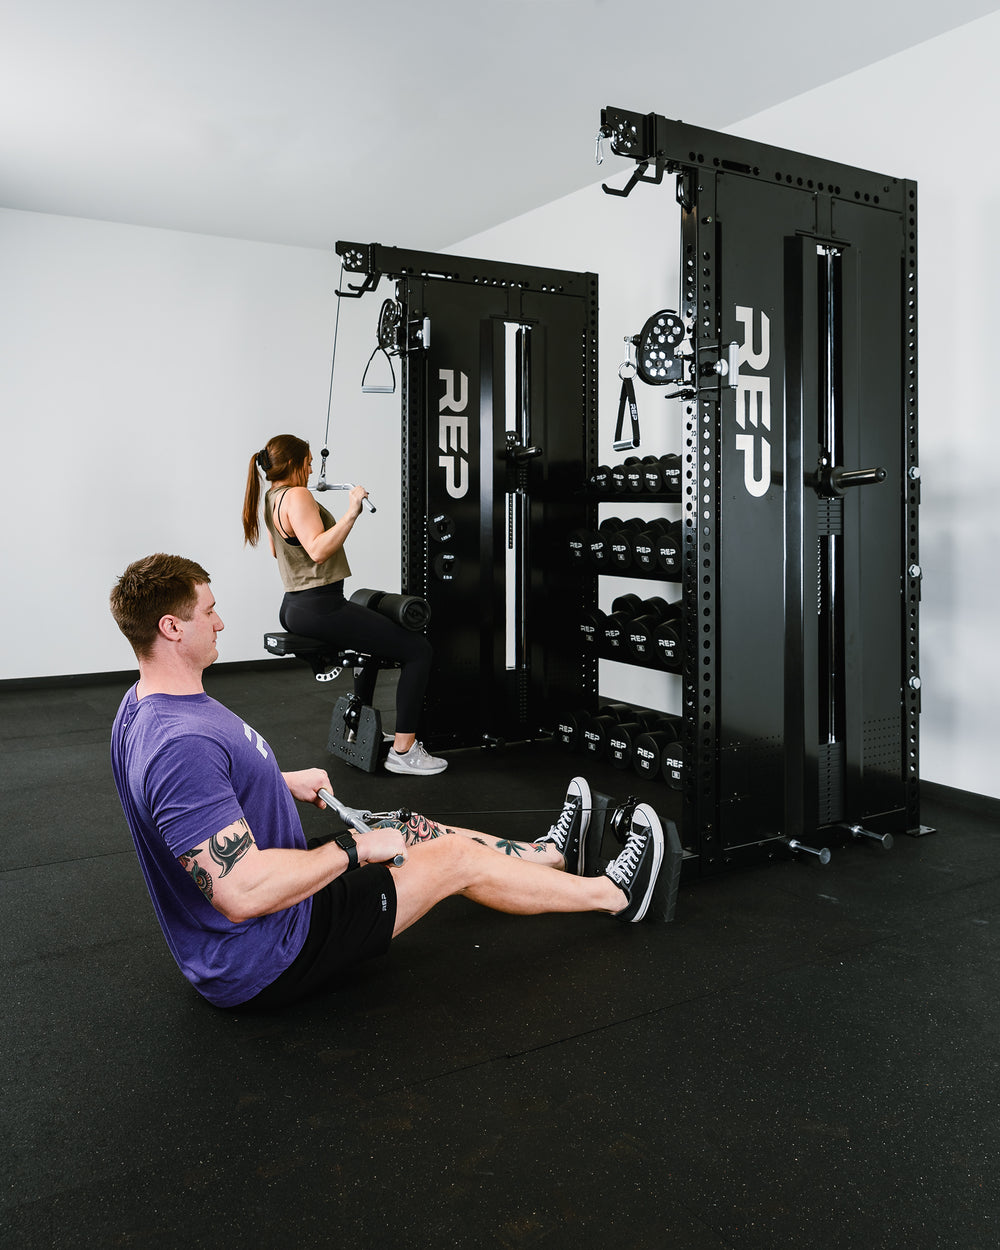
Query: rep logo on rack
{"type": "Point", "coordinates": [453, 433]}
{"type": "Point", "coordinates": [753, 402]}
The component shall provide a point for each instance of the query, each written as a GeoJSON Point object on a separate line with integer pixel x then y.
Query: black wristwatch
{"type": "Point", "coordinates": [346, 843]}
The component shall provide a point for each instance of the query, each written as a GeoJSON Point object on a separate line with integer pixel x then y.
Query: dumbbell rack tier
{"type": "Point", "coordinates": [644, 551]}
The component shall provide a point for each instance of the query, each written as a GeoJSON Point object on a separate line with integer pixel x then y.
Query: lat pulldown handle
{"type": "Point", "coordinates": [344, 486]}
{"type": "Point", "coordinates": [322, 484]}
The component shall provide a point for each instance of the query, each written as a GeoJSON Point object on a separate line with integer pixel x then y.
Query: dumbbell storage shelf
{"type": "Point", "coordinates": [641, 630]}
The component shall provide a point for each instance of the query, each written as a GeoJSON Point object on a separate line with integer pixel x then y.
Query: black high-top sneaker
{"type": "Point", "coordinates": [637, 867]}
{"type": "Point", "coordinates": [569, 832]}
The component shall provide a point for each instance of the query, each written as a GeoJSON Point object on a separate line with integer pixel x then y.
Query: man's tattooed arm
{"type": "Point", "coordinates": [226, 848]}
{"type": "Point", "coordinates": [230, 845]}
{"type": "Point", "coordinates": [199, 876]}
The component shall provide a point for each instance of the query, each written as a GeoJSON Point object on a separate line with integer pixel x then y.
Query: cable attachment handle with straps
{"type": "Point", "coordinates": [378, 388]}
{"type": "Point", "coordinates": [627, 371]}
{"type": "Point", "coordinates": [387, 342]}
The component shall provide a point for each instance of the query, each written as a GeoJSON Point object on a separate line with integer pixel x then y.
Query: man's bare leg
{"type": "Point", "coordinates": [418, 829]}
{"type": "Point", "coordinates": [439, 867]}
{"type": "Point", "coordinates": [562, 839]}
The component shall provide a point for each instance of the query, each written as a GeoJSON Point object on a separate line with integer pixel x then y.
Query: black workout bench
{"type": "Point", "coordinates": [355, 728]}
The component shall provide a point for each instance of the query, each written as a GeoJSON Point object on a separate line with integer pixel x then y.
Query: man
{"type": "Point", "coordinates": [248, 912]}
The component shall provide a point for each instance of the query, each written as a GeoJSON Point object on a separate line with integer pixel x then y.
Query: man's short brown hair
{"type": "Point", "coordinates": [151, 588]}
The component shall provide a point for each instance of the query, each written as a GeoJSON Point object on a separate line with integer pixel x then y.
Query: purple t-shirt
{"type": "Point", "coordinates": [186, 767]}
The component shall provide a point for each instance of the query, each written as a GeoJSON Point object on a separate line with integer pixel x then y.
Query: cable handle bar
{"type": "Point", "coordinates": [354, 819]}
{"type": "Point", "coordinates": [343, 486]}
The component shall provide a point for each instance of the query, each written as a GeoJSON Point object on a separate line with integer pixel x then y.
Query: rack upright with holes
{"type": "Point", "coordinates": [801, 576]}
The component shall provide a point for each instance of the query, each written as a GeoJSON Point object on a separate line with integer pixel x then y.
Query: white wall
{"type": "Point", "coordinates": [141, 368]}
{"type": "Point", "coordinates": [926, 114]}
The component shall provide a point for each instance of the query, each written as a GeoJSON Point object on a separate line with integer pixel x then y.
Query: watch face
{"type": "Point", "coordinates": [347, 844]}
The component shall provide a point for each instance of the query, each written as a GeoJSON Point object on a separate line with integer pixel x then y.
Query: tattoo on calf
{"type": "Point", "coordinates": [229, 851]}
{"type": "Point", "coordinates": [508, 847]}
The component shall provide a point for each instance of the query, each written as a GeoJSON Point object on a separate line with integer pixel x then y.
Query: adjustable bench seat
{"type": "Point", "coordinates": [326, 660]}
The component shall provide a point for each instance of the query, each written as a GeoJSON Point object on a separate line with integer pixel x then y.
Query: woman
{"type": "Point", "coordinates": [308, 544]}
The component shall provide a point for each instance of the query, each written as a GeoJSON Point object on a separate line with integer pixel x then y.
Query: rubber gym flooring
{"type": "Point", "coordinates": [804, 1057]}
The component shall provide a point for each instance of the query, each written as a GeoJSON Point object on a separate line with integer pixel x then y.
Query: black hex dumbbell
{"type": "Point", "coordinates": [667, 642]}
{"type": "Point", "coordinates": [622, 545]}
{"type": "Point", "coordinates": [579, 547]}
{"type": "Point", "coordinates": [635, 473]}
{"type": "Point", "coordinates": [672, 764]}
{"type": "Point", "coordinates": [619, 475]}
{"type": "Point", "coordinates": [652, 474]}
{"type": "Point", "coordinates": [622, 737]}
{"type": "Point", "coordinates": [615, 627]}
{"type": "Point", "coordinates": [643, 633]}
{"type": "Point", "coordinates": [600, 543]}
{"type": "Point", "coordinates": [569, 729]}
{"type": "Point", "coordinates": [594, 729]}
{"type": "Point", "coordinates": [669, 546]}
{"type": "Point", "coordinates": [645, 544]}
{"type": "Point", "coordinates": [670, 471]}
{"type": "Point", "coordinates": [649, 748]}
{"type": "Point", "coordinates": [592, 624]}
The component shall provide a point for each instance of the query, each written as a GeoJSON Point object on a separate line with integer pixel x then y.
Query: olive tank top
{"type": "Point", "coordinates": [298, 571]}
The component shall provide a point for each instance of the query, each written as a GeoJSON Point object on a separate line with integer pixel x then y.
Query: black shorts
{"type": "Point", "coordinates": [352, 920]}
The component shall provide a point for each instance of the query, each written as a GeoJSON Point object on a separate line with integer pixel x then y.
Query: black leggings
{"type": "Point", "coordinates": [324, 613]}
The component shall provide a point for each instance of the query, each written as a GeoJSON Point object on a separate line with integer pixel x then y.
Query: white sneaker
{"type": "Point", "coordinates": [415, 761]}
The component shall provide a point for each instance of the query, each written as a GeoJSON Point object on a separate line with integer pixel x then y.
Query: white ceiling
{"type": "Point", "coordinates": [308, 121]}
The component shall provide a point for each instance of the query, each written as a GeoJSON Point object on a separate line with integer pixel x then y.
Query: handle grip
{"type": "Point", "coordinates": [355, 819]}
{"type": "Point", "coordinates": [344, 486]}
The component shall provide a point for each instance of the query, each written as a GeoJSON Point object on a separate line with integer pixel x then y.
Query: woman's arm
{"type": "Point", "coordinates": [300, 519]}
